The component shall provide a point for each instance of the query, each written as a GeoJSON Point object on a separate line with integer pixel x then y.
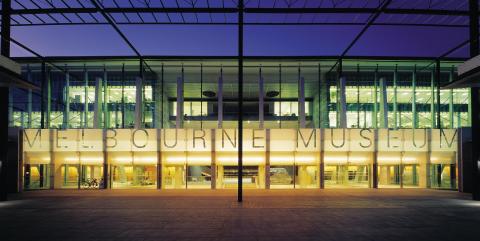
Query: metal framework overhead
{"type": "Point", "coordinates": [449, 13]}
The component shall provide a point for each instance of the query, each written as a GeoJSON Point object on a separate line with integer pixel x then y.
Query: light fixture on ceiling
{"type": "Point", "coordinates": [208, 93]}
{"type": "Point", "coordinates": [272, 93]}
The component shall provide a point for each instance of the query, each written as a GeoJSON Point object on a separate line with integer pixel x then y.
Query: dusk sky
{"type": "Point", "coordinates": [202, 40]}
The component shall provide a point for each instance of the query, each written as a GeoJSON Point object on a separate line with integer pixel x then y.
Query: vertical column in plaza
{"type": "Point", "coordinates": [432, 99]}
{"type": "Point", "coordinates": [267, 159]}
{"type": "Point", "coordinates": [342, 102]}
{"type": "Point", "coordinates": [106, 113]}
{"type": "Point", "coordinates": [220, 99]}
{"type": "Point", "coordinates": [97, 107]}
{"type": "Point", "coordinates": [396, 118]}
{"type": "Point", "coordinates": [66, 100]}
{"type": "Point", "coordinates": [5, 51]}
{"type": "Point", "coordinates": [301, 99]}
{"type": "Point", "coordinates": [383, 103]}
{"type": "Point", "coordinates": [85, 107]}
{"type": "Point", "coordinates": [475, 102]}
{"type": "Point", "coordinates": [49, 98]}
{"type": "Point", "coordinates": [179, 118]}
{"type": "Point", "coordinates": [375, 100]}
{"type": "Point", "coordinates": [414, 99]}
{"type": "Point", "coordinates": [138, 102]}
{"type": "Point", "coordinates": [261, 94]}
{"type": "Point", "coordinates": [213, 156]}
{"type": "Point", "coordinates": [105, 174]}
{"type": "Point", "coordinates": [29, 99]}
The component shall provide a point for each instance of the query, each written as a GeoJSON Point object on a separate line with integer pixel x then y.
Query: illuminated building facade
{"type": "Point", "coordinates": [105, 123]}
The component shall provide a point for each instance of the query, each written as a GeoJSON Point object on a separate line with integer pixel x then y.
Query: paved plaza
{"type": "Point", "coordinates": [333, 214]}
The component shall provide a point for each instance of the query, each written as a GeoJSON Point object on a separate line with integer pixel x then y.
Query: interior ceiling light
{"type": "Point", "coordinates": [208, 93]}
{"type": "Point", "coordinates": [272, 93]}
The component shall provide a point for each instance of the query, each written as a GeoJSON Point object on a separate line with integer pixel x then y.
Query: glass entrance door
{"type": "Point", "coordinates": [389, 176]}
{"type": "Point", "coordinates": [36, 176]}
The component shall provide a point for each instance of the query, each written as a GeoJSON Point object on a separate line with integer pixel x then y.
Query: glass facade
{"type": "Point", "coordinates": [105, 124]}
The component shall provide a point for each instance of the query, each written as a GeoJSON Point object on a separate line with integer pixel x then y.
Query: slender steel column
{"type": "Point", "coordinates": [106, 113]}
{"type": "Point", "coordinates": [97, 107]}
{"type": "Point", "coordinates": [42, 96]}
{"type": "Point", "coordinates": [220, 99]}
{"type": "Point", "coordinates": [4, 91]}
{"type": "Point", "coordinates": [122, 107]}
{"type": "Point", "coordinates": [432, 99]}
{"type": "Point", "coordinates": [138, 102]}
{"type": "Point", "coordinates": [396, 123]}
{"type": "Point", "coordinates": [450, 103]}
{"type": "Point", "coordinates": [475, 98]}
{"type": "Point", "coordinates": [301, 99]}
{"type": "Point", "coordinates": [240, 101]}
{"type": "Point", "coordinates": [30, 98]}
{"type": "Point", "coordinates": [66, 101]}
{"type": "Point", "coordinates": [342, 102]}
{"type": "Point", "coordinates": [437, 78]}
{"type": "Point", "coordinates": [85, 107]}
{"type": "Point", "coordinates": [383, 103]}
{"type": "Point", "coordinates": [179, 118]}
{"type": "Point", "coordinates": [414, 98]}
{"type": "Point", "coordinates": [375, 100]}
{"type": "Point", "coordinates": [261, 94]}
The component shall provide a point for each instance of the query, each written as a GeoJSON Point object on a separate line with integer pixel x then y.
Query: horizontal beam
{"type": "Point", "coordinates": [247, 10]}
{"type": "Point", "coordinates": [249, 24]}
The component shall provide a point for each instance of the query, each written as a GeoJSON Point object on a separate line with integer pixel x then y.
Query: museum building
{"type": "Point", "coordinates": [173, 124]}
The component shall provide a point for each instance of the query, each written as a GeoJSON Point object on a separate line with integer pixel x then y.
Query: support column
{"type": "Point", "coordinates": [240, 101]}
{"type": "Point", "coordinates": [49, 98]}
{"type": "Point", "coordinates": [261, 94]}
{"type": "Point", "coordinates": [122, 107]}
{"type": "Point", "coordinates": [220, 100]}
{"type": "Point", "coordinates": [301, 100]}
{"type": "Point", "coordinates": [267, 159]}
{"type": "Point", "coordinates": [30, 99]}
{"type": "Point", "coordinates": [383, 103]}
{"type": "Point", "coordinates": [138, 102]}
{"type": "Point", "coordinates": [106, 113]}
{"type": "Point", "coordinates": [475, 98]}
{"type": "Point", "coordinates": [396, 123]}
{"type": "Point", "coordinates": [342, 102]}
{"type": "Point", "coordinates": [85, 108]}
{"type": "Point", "coordinates": [66, 101]}
{"type": "Point", "coordinates": [375, 160]}
{"type": "Point", "coordinates": [105, 174]}
{"type": "Point", "coordinates": [322, 158]}
{"type": "Point", "coordinates": [97, 107]}
{"type": "Point", "coordinates": [450, 102]}
{"type": "Point", "coordinates": [179, 118]}
{"type": "Point", "coordinates": [414, 99]}
{"type": "Point", "coordinates": [432, 99]}
{"type": "Point", "coordinates": [159, 160]}
{"type": "Point", "coordinates": [213, 168]}
{"type": "Point", "coordinates": [437, 85]}
{"type": "Point", "coordinates": [4, 91]}
{"type": "Point", "coordinates": [375, 100]}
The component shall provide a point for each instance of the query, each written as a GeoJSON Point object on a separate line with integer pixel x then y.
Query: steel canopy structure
{"type": "Point", "coordinates": [361, 13]}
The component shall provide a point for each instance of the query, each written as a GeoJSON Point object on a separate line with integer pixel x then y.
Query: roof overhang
{"type": "Point", "coordinates": [10, 75]}
{"type": "Point", "coordinates": [468, 75]}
